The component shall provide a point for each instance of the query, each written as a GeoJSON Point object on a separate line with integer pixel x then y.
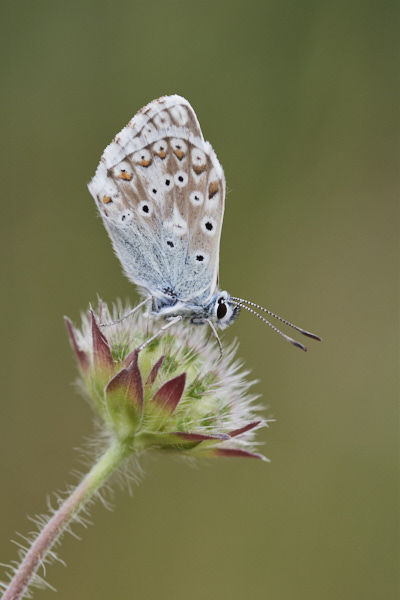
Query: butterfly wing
{"type": "Point", "coordinates": [160, 191]}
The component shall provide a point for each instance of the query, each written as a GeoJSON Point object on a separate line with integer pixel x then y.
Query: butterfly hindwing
{"type": "Point", "coordinates": [160, 191]}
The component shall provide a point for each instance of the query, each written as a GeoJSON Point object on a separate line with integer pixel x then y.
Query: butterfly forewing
{"type": "Point", "coordinates": [160, 190]}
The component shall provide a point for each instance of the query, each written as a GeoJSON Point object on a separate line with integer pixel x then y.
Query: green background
{"type": "Point", "coordinates": [300, 102]}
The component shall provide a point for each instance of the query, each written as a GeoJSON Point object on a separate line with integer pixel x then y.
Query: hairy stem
{"type": "Point", "coordinates": [107, 464]}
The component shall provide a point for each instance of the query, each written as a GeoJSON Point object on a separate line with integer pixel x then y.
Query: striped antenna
{"type": "Point", "coordinates": [242, 303]}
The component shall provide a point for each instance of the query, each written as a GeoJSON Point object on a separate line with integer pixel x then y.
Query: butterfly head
{"type": "Point", "coordinates": [223, 311]}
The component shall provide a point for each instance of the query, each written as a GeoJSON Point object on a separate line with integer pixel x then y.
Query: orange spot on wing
{"type": "Point", "coordinates": [212, 189]}
{"type": "Point", "coordinates": [106, 199]}
{"type": "Point", "coordinates": [179, 154]}
{"type": "Point", "coordinates": [162, 154]}
{"type": "Point", "coordinates": [199, 169]}
{"type": "Point", "coordinates": [125, 176]}
{"type": "Point", "coordinates": [144, 162]}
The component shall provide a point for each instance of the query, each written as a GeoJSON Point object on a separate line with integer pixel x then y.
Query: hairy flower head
{"type": "Point", "coordinates": [175, 394]}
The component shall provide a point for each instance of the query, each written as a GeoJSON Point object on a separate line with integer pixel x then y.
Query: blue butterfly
{"type": "Point", "coordinates": [160, 190]}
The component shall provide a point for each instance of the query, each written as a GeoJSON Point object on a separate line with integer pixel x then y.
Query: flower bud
{"type": "Point", "coordinates": [177, 393]}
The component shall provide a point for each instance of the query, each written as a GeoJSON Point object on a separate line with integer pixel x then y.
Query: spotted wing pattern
{"type": "Point", "coordinates": [160, 191]}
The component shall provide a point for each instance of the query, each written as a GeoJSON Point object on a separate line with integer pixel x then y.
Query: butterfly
{"type": "Point", "coordinates": [160, 191]}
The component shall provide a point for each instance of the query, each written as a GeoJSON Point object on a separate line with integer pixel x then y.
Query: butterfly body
{"type": "Point", "coordinates": [160, 190]}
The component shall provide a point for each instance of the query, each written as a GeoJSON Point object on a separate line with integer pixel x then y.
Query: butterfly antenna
{"type": "Point", "coordinates": [288, 338]}
{"type": "Point", "coordinates": [299, 329]}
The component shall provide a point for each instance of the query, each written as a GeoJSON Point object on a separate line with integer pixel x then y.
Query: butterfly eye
{"type": "Point", "coordinates": [222, 309]}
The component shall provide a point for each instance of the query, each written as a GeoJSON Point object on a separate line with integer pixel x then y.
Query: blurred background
{"type": "Point", "coordinates": [300, 102]}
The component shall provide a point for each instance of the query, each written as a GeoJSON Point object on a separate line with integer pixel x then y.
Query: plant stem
{"type": "Point", "coordinates": [105, 466]}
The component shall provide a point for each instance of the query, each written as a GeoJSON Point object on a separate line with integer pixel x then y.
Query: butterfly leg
{"type": "Point", "coordinates": [216, 337]}
{"type": "Point", "coordinates": [131, 312]}
{"type": "Point", "coordinates": [159, 332]}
